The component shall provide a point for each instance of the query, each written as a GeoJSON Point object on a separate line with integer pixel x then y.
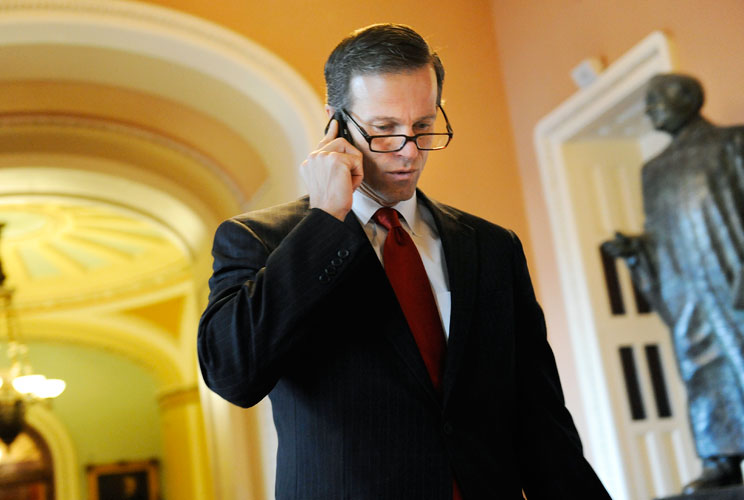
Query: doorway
{"type": "Point", "coordinates": [26, 469]}
{"type": "Point", "coordinates": [591, 150]}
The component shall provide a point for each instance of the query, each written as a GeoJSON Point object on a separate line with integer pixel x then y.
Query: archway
{"type": "Point", "coordinates": [94, 91]}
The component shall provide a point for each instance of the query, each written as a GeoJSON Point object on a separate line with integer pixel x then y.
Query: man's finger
{"type": "Point", "coordinates": [350, 149]}
{"type": "Point", "coordinates": [357, 173]}
{"type": "Point", "coordinates": [331, 133]}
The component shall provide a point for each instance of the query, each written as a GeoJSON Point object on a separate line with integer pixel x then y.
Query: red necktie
{"type": "Point", "coordinates": [410, 282]}
{"type": "Point", "coordinates": [408, 277]}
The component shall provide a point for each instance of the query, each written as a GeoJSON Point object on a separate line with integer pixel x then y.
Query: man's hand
{"type": "Point", "coordinates": [332, 173]}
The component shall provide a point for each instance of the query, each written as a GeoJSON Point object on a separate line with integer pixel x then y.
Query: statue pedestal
{"type": "Point", "coordinates": [729, 493]}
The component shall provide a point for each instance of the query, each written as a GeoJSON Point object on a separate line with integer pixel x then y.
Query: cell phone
{"type": "Point", "coordinates": [343, 130]}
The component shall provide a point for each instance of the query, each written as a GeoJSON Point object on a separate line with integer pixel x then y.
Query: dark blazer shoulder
{"type": "Point", "coordinates": [271, 225]}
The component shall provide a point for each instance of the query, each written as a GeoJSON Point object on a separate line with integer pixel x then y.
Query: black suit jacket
{"type": "Point", "coordinates": [301, 309]}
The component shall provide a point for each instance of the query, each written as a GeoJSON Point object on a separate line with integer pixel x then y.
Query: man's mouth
{"type": "Point", "coordinates": [402, 174]}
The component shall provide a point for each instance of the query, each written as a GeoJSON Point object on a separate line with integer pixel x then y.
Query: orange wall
{"type": "Point", "coordinates": [478, 171]}
{"type": "Point", "coordinates": [540, 42]}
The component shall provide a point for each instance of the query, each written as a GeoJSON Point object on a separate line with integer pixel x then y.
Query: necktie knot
{"type": "Point", "coordinates": [387, 217]}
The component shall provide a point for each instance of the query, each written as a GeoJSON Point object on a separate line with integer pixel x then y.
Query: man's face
{"type": "Point", "coordinates": [393, 103]}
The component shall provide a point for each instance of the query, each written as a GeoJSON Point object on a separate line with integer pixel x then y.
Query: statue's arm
{"type": "Point", "coordinates": [626, 247]}
{"type": "Point", "coordinates": [636, 251]}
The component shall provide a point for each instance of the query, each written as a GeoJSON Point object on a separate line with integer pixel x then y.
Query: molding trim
{"type": "Point", "coordinates": [131, 338]}
{"type": "Point", "coordinates": [109, 126]}
{"type": "Point", "coordinates": [264, 81]}
{"type": "Point", "coordinates": [178, 396]}
{"type": "Point", "coordinates": [62, 449]}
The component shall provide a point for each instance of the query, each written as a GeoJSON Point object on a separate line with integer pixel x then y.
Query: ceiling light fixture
{"type": "Point", "coordinates": [19, 385]}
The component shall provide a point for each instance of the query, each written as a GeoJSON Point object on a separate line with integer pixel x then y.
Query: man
{"type": "Point", "coordinates": [379, 393]}
{"type": "Point", "coordinates": [689, 266]}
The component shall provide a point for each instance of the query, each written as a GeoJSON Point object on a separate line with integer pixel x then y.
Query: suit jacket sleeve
{"type": "Point", "coordinates": [552, 464]}
{"type": "Point", "coordinates": [267, 277]}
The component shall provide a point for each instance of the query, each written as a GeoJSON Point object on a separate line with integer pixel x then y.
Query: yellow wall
{"type": "Point", "coordinates": [478, 171]}
{"type": "Point", "coordinates": [109, 406]}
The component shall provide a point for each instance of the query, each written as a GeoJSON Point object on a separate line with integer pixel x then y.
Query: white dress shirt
{"type": "Point", "coordinates": [419, 223]}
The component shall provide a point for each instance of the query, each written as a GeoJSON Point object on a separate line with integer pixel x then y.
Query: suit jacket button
{"type": "Point", "coordinates": [337, 262]}
{"type": "Point", "coordinates": [324, 278]}
{"type": "Point", "coordinates": [448, 429]}
{"type": "Point", "coordinates": [330, 270]}
{"type": "Point", "coordinates": [343, 253]}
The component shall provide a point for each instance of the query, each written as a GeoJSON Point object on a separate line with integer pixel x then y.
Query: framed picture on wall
{"type": "Point", "coordinates": [124, 481]}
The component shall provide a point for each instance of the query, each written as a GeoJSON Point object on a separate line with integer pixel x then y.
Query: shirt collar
{"type": "Point", "coordinates": [365, 207]}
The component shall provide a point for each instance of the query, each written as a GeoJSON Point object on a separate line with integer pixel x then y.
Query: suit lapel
{"type": "Point", "coordinates": [393, 325]}
{"type": "Point", "coordinates": [461, 256]}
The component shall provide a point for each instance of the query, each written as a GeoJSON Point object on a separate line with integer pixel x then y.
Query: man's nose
{"type": "Point", "coordinates": [409, 150]}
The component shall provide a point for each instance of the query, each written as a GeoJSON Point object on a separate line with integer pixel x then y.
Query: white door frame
{"type": "Point", "coordinates": [624, 78]}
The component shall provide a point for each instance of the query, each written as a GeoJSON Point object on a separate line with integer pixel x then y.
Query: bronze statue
{"type": "Point", "coordinates": [689, 264]}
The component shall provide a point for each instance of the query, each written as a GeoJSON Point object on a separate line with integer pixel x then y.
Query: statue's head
{"type": "Point", "coordinates": [672, 100]}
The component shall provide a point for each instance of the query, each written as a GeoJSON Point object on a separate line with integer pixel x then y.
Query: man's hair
{"type": "Point", "coordinates": [377, 49]}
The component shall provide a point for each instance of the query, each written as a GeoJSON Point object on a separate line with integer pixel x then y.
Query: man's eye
{"type": "Point", "coordinates": [383, 128]}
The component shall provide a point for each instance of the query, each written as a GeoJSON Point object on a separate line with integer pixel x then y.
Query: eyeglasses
{"type": "Point", "coordinates": [395, 142]}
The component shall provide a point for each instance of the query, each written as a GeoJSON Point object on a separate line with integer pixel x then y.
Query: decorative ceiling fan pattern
{"type": "Point", "coordinates": [61, 249]}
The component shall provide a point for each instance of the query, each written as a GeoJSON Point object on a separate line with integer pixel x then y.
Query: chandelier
{"type": "Point", "coordinates": [19, 385]}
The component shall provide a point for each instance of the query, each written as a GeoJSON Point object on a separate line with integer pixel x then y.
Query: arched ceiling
{"type": "Point", "coordinates": [116, 164]}
{"type": "Point", "coordinates": [127, 132]}
{"type": "Point", "coordinates": [58, 251]}
{"type": "Point", "coordinates": [105, 120]}
{"type": "Point", "coordinates": [109, 192]}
